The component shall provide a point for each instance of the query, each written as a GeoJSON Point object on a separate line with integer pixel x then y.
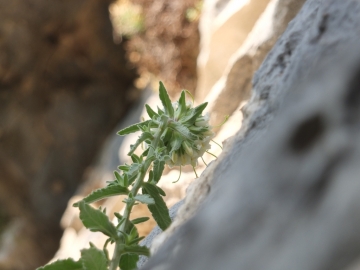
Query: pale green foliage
{"type": "Point", "coordinates": [177, 134]}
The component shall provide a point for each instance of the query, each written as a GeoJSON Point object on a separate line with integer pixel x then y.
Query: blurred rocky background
{"type": "Point", "coordinates": [72, 73]}
{"type": "Point", "coordinates": [64, 85]}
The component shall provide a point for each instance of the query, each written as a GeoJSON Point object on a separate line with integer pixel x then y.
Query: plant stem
{"type": "Point", "coordinates": [129, 205]}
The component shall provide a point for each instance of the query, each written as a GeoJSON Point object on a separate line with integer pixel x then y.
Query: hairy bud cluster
{"type": "Point", "coordinates": [187, 134]}
{"type": "Point", "coordinates": [193, 146]}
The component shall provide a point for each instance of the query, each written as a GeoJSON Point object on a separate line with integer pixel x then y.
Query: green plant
{"type": "Point", "coordinates": [176, 135]}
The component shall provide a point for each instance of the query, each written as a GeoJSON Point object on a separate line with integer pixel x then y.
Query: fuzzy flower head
{"type": "Point", "coordinates": [184, 131]}
{"type": "Point", "coordinates": [188, 133]}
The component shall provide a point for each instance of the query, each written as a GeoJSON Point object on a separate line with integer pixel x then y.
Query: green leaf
{"type": "Point", "coordinates": [133, 233]}
{"type": "Point", "coordinates": [159, 210]}
{"type": "Point", "coordinates": [102, 193]}
{"type": "Point", "coordinates": [136, 240]}
{"type": "Point", "coordinates": [196, 112]}
{"type": "Point", "coordinates": [184, 131]}
{"type": "Point", "coordinates": [139, 220]}
{"type": "Point", "coordinates": [176, 142]}
{"type": "Point", "coordinates": [68, 264]}
{"type": "Point", "coordinates": [133, 172]}
{"type": "Point", "coordinates": [133, 128]}
{"type": "Point", "coordinates": [124, 168]}
{"type": "Point", "coordinates": [128, 261]}
{"type": "Point", "coordinates": [159, 166]}
{"type": "Point", "coordinates": [118, 176]}
{"type": "Point", "coordinates": [167, 134]}
{"type": "Point", "coordinates": [165, 100]}
{"type": "Point", "coordinates": [161, 192]}
{"type": "Point", "coordinates": [144, 136]}
{"type": "Point", "coordinates": [118, 216]}
{"type": "Point", "coordinates": [144, 198]}
{"type": "Point", "coordinates": [96, 221]}
{"type": "Point", "coordinates": [182, 105]}
{"type": "Point", "coordinates": [151, 176]}
{"type": "Point", "coordinates": [150, 111]}
{"type": "Point", "coordinates": [198, 130]}
{"type": "Point", "coordinates": [160, 111]}
{"type": "Point", "coordinates": [93, 259]}
{"type": "Point", "coordinates": [135, 158]}
{"type": "Point", "coordinates": [136, 249]}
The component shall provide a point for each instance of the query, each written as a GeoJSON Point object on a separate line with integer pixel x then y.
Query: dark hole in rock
{"type": "Point", "coordinates": [352, 98]}
{"type": "Point", "coordinates": [307, 133]}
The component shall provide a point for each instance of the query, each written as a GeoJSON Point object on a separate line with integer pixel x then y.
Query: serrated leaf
{"type": "Point", "coordinates": [133, 128]}
{"type": "Point", "coordinates": [96, 221]}
{"type": "Point", "coordinates": [150, 111]}
{"type": "Point", "coordinates": [102, 193]}
{"type": "Point", "coordinates": [159, 210]}
{"type": "Point", "coordinates": [158, 169]}
{"type": "Point", "coordinates": [165, 100]}
{"type": "Point", "coordinates": [136, 249]}
{"type": "Point", "coordinates": [68, 264]}
{"type": "Point", "coordinates": [144, 198]}
{"type": "Point", "coordinates": [93, 259]}
{"type": "Point", "coordinates": [133, 172]}
{"type": "Point", "coordinates": [196, 112]}
{"type": "Point", "coordinates": [183, 131]}
{"type": "Point", "coordinates": [128, 261]}
{"type": "Point", "coordinates": [144, 136]}
{"type": "Point", "coordinates": [139, 220]}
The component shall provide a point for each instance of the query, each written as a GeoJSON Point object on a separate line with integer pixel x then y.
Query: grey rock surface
{"type": "Point", "coordinates": [156, 231]}
{"type": "Point", "coordinates": [285, 195]}
{"type": "Point", "coordinates": [236, 79]}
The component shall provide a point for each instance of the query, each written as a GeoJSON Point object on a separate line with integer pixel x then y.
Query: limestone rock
{"type": "Point", "coordinates": [285, 194]}
{"type": "Point", "coordinates": [224, 26]}
{"type": "Point", "coordinates": [230, 92]}
{"type": "Point", "coordinates": [236, 78]}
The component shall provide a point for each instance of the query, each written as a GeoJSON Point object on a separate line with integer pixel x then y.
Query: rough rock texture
{"type": "Point", "coordinates": [285, 194]}
{"type": "Point", "coordinates": [63, 86]}
{"type": "Point", "coordinates": [229, 93]}
{"type": "Point", "coordinates": [236, 78]}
